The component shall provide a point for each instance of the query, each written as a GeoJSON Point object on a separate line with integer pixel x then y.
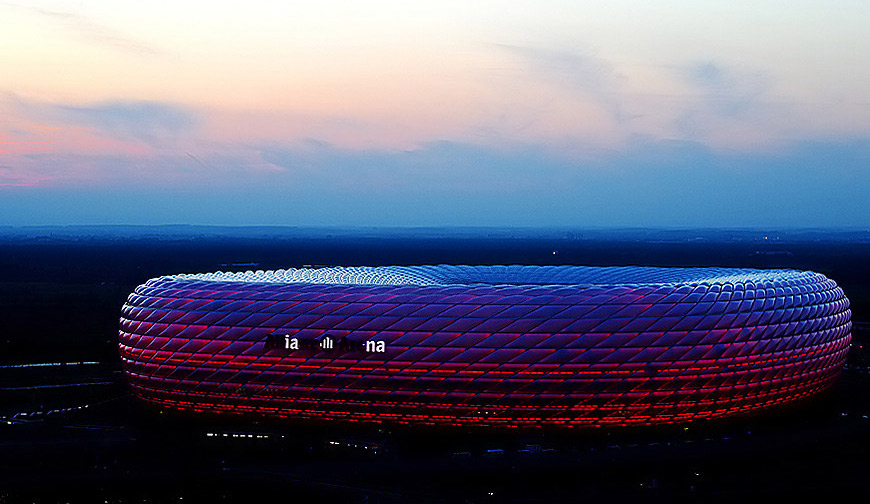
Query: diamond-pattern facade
{"type": "Point", "coordinates": [485, 345]}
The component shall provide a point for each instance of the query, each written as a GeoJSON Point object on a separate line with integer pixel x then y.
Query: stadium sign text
{"type": "Point", "coordinates": [326, 343]}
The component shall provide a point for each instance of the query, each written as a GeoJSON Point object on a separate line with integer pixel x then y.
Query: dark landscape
{"type": "Point", "coordinates": [71, 432]}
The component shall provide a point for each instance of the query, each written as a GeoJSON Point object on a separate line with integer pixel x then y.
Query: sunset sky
{"type": "Point", "coordinates": [436, 113]}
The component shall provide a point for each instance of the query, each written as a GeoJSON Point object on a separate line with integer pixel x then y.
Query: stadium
{"type": "Point", "coordinates": [511, 346]}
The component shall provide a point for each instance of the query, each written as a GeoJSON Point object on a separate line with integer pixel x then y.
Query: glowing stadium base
{"type": "Point", "coordinates": [485, 345]}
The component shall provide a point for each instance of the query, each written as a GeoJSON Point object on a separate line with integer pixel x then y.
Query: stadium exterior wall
{"type": "Point", "coordinates": [485, 345]}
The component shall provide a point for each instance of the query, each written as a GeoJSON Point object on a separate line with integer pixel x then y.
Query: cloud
{"type": "Point", "coordinates": [433, 168]}
{"type": "Point", "coordinates": [726, 91]}
{"type": "Point", "coordinates": [730, 107]}
{"type": "Point", "coordinates": [723, 105]}
{"type": "Point", "coordinates": [166, 171]}
{"type": "Point", "coordinates": [580, 72]}
{"type": "Point", "coordinates": [151, 122]}
{"type": "Point", "coordinates": [648, 183]}
{"type": "Point", "coordinates": [10, 177]}
{"type": "Point", "coordinates": [143, 120]}
{"type": "Point", "coordinates": [89, 30]}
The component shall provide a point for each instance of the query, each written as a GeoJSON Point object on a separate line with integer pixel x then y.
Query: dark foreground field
{"type": "Point", "coordinates": [72, 433]}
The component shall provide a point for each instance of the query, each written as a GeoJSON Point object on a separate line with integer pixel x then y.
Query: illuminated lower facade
{"type": "Point", "coordinates": [505, 346]}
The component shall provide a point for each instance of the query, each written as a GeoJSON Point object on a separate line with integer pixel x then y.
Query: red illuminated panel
{"type": "Point", "coordinates": [488, 345]}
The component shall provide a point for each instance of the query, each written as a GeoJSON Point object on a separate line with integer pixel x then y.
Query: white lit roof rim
{"type": "Point", "coordinates": [503, 275]}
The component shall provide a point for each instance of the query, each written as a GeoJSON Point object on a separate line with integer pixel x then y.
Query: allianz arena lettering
{"type": "Point", "coordinates": [510, 346]}
{"type": "Point", "coordinates": [326, 343]}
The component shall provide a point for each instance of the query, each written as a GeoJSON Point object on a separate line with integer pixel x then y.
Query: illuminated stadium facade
{"type": "Point", "coordinates": [485, 345]}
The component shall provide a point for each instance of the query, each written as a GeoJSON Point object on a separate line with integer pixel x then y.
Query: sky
{"type": "Point", "coordinates": [436, 113]}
